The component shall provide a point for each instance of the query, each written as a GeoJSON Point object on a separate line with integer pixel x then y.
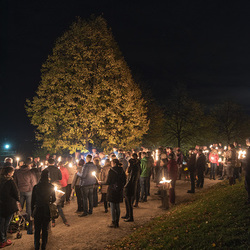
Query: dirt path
{"type": "Point", "coordinates": [91, 232]}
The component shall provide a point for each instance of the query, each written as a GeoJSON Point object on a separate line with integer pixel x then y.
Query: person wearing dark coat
{"type": "Point", "coordinates": [192, 169]}
{"type": "Point", "coordinates": [131, 186]}
{"type": "Point", "coordinates": [36, 172]}
{"type": "Point", "coordinates": [172, 168]}
{"type": "Point", "coordinates": [116, 181]}
{"type": "Point", "coordinates": [55, 174]}
{"type": "Point", "coordinates": [201, 166]}
{"type": "Point", "coordinates": [25, 181]}
{"type": "Point", "coordinates": [87, 181]}
{"type": "Point", "coordinates": [9, 197]}
{"type": "Point", "coordinates": [42, 195]}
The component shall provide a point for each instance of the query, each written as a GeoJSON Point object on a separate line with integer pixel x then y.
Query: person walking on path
{"type": "Point", "coordinates": [60, 197]}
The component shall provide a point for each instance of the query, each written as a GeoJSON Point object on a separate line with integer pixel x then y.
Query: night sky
{"type": "Point", "coordinates": [204, 44]}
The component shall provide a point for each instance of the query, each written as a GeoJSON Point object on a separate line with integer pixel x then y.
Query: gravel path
{"type": "Point", "coordinates": [91, 232]}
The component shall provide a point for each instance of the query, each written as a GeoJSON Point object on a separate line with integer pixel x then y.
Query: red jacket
{"type": "Point", "coordinates": [214, 158]}
{"type": "Point", "coordinates": [65, 176]}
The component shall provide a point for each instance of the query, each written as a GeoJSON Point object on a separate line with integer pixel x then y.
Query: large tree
{"type": "Point", "coordinates": [155, 135]}
{"type": "Point", "coordinates": [231, 123]}
{"type": "Point", "coordinates": [86, 92]}
{"type": "Point", "coordinates": [185, 120]}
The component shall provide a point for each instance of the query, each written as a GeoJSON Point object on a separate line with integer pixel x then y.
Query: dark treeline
{"type": "Point", "coordinates": [181, 121]}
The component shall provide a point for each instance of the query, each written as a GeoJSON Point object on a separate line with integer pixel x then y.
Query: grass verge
{"type": "Point", "coordinates": [217, 218]}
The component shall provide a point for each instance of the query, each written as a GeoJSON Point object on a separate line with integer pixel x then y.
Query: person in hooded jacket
{"type": "Point", "coordinates": [116, 181]}
{"type": "Point", "coordinates": [9, 197]}
{"type": "Point", "coordinates": [42, 195]}
{"type": "Point", "coordinates": [131, 186]}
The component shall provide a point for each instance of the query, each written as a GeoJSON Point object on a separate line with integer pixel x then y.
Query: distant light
{"type": "Point", "coordinates": [7, 146]}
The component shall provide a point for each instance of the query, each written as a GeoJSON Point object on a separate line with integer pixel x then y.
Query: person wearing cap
{"type": "Point", "coordinates": [9, 197]}
{"type": "Point", "coordinates": [25, 181]}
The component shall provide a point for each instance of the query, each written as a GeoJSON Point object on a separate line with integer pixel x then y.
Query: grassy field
{"type": "Point", "coordinates": [217, 218]}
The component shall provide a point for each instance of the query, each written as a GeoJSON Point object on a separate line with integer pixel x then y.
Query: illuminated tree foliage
{"type": "Point", "coordinates": [87, 92]}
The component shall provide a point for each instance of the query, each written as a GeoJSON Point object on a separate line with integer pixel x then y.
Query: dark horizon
{"type": "Point", "coordinates": [203, 45]}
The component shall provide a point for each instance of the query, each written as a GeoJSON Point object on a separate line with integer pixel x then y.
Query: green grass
{"type": "Point", "coordinates": [217, 218]}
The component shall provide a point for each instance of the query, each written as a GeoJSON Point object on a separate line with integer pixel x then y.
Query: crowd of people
{"type": "Point", "coordinates": [120, 175]}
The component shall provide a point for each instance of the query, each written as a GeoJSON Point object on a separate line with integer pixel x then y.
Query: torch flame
{"type": "Point", "coordinates": [59, 191]}
{"type": "Point", "coordinates": [165, 181]}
